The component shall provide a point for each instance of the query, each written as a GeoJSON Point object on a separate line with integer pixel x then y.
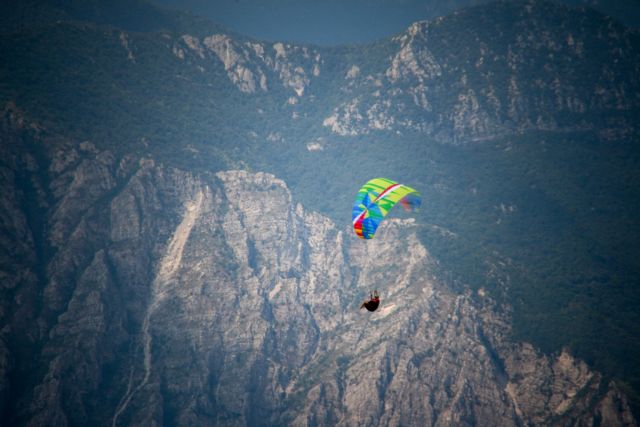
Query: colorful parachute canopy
{"type": "Point", "coordinates": [375, 199]}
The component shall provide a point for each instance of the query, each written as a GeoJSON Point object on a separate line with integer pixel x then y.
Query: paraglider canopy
{"type": "Point", "coordinates": [375, 199]}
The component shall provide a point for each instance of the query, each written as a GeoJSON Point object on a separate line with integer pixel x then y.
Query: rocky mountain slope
{"type": "Point", "coordinates": [176, 298]}
{"type": "Point", "coordinates": [457, 81]}
{"type": "Point", "coordinates": [480, 73]}
{"type": "Point", "coordinates": [173, 248]}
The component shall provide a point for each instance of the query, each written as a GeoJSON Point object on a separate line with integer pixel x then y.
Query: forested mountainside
{"type": "Point", "coordinates": [164, 296]}
{"type": "Point", "coordinates": [175, 224]}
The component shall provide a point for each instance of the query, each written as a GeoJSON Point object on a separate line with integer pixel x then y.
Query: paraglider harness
{"type": "Point", "coordinates": [373, 302]}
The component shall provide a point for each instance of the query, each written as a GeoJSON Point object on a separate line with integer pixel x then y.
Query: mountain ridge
{"type": "Point", "coordinates": [135, 16]}
{"type": "Point", "coordinates": [476, 102]}
{"type": "Point", "coordinates": [203, 315]}
{"type": "Point", "coordinates": [107, 131]}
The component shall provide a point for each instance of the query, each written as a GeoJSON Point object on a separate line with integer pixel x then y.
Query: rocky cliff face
{"type": "Point", "coordinates": [479, 74]}
{"type": "Point", "coordinates": [136, 290]}
{"type": "Point", "coordinates": [454, 80]}
{"type": "Point", "coordinates": [135, 293]}
{"type": "Point", "coordinates": [457, 81]}
{"type": "Point", "coordinates": [251, 65]}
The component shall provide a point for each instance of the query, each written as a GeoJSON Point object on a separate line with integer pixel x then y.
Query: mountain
{"type": "Point", "coordinates": [356, 21]}
{"type": "Point", "coordinates": [134, 15]}
{"type": "Point", "coordinates": [176, 247]}
{"type": "Point", "coordinates": [196, 299]}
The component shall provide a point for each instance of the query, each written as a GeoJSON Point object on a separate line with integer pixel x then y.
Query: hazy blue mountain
{"type": "Point", "coordinates": [334, 22]}
{"type": "Point", "coordinates": [175, 221]}
{"type": "Point", "coordinates": [327, 23]}
{"type": "Point", "coordinates": [135, 15]}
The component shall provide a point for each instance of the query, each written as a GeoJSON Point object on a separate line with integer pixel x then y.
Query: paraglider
{"type": "Point", "coordinates": [372, 303]}
{"type": "Point", "coordinates": [375, 199]}
{"type": "Point", "coordinates": [373, 202]}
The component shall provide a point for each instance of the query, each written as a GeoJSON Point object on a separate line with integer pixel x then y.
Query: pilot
{"type": "Point", "coordinates": [372, 303]}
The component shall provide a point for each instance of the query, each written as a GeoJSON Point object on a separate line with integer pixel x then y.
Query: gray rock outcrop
{"type": "Point", "coordinates": [179, 298]}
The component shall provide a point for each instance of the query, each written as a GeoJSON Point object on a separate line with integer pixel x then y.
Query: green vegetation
{"type": "Point", "coordinates": [555, 213]}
